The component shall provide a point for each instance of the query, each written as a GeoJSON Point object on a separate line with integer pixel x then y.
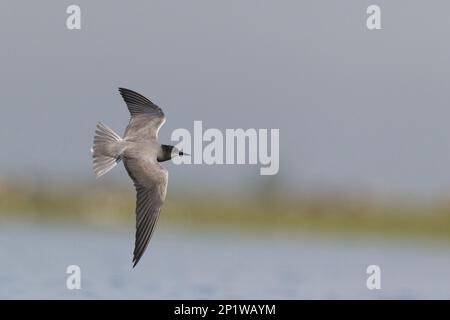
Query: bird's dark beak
{"type": "Point", "coordinates": [183, 154]}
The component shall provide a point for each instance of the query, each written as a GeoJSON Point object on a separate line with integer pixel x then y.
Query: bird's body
{"type": "Point", "coordinates": [141, 149]}
{"type": "Point", "coordinates": [141, 153]}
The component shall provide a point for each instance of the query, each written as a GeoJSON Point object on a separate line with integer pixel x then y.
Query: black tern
{"type": "Point", "coordinates": [141, 153]}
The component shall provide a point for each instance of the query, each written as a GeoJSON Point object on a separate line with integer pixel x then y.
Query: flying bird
{"type": "Point", "coordinates": [141, 153]}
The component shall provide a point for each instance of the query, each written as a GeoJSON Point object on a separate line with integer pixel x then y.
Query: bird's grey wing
{"type": "Point", "coordinates": [146, 117]}
{"type": "Point", "coordinates": [150, 180]}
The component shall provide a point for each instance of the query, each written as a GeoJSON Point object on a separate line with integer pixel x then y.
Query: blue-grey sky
{"type": "Point", "coordinates": [356, 109]}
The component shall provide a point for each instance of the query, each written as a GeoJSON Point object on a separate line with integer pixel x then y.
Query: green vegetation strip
{"type": "Point", "coordinates": [269, 214]}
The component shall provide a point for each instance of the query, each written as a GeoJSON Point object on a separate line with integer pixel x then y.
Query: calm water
{"type": "Point", "coordinates": [214, 265]}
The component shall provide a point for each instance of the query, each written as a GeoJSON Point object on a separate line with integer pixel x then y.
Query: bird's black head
{"type": "Point", "coordinates": [168, 152]}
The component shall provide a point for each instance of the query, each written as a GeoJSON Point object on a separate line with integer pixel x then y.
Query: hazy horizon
{"type": "Point", "coordinates": [356, 109]}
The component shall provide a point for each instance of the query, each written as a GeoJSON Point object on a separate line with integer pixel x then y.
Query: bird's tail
{"type": "Point", "coordinates": [106, 150]}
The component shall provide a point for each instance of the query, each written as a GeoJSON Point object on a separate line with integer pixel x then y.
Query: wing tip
{"type": "Point", "coordinates": [122, 89]}
{"type": "Point", "coordinates": [139, 104]}
{"type": "Point", "coordinates": [125, 92]}
{"type": "Point", "coordinates": [135, 261]}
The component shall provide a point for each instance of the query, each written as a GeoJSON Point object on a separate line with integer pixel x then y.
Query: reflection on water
{"type": "Point", "coordinates": [214, 265]}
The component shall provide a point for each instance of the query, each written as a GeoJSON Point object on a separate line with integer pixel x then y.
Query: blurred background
{"type": "Point", "coordinates": [364, 148]}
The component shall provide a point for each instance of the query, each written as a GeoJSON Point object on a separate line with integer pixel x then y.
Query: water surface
{"type": "Point", "coordinates": [214, 265]}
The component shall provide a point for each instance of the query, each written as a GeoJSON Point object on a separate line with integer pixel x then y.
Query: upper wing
{"type": "Point", "coordinates": [150, 180]}
{"type": "Point", "coordinates": [146, 117]}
